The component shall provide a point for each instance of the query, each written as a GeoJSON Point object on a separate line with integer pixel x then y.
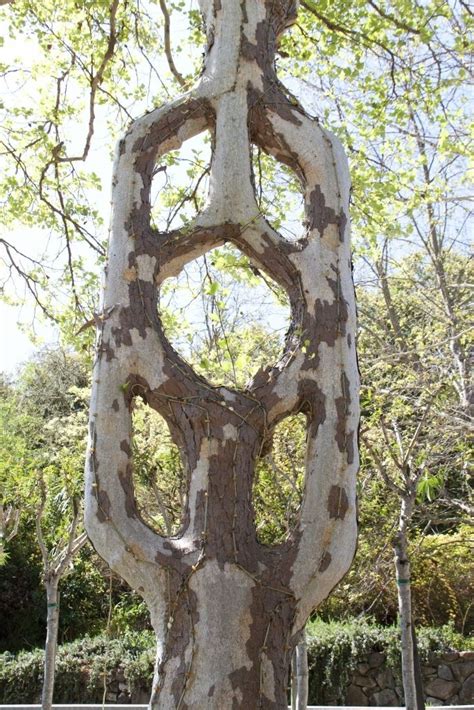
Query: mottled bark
{"type": "Point", "coordinates": [227, 610]}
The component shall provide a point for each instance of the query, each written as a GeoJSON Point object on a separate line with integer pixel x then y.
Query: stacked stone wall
{"type": "Point", "coordinates": [448, 680]}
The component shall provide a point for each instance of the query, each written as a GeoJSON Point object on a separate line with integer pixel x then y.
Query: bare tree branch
{"type": "Point", "coordinates": [169, 55]}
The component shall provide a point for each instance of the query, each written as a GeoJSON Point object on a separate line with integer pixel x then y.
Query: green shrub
{"type": "Point", "coordinates": [80, 669]}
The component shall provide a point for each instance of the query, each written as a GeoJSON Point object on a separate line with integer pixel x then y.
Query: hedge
{"type": "Point", "coordinates": [335, 648]}
{"type": "Point", "coordinates": [80, 669]}
{"type": "Point", "coordinates": [333, 652]}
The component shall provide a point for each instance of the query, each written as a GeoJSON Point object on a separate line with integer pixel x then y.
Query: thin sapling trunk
{"type": "Point", "coordinates": [52, 625]}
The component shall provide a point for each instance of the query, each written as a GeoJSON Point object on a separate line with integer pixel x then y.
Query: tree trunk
{"type": "Point", "coordinates": [411, 675]}
{"type": "Point", "coordinates": [52, 624]}
{"type": "Point", "coordinates": [294, 689]}
{"type": "Point", "coordinates": [227, 610]}
{"type": "Point", "coordinates": [420, 691]}
{"type": "Point", "coordinates": [300, 678]}
{"type": "Point", "coordinates": [229, 643]}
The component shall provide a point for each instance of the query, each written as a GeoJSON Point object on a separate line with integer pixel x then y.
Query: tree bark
{"type": "Point", "coordinates": [227, 610]}
{"type": "Point", "coordinates": [52, 625]}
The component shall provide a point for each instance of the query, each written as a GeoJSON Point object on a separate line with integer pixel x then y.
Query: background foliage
{"type": "Point", "coordinates": [392, 79]}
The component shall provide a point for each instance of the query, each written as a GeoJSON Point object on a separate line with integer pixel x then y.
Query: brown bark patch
{"type": "Point", "coordinates": [272, 614]}
{"type": "Point", "coordinates": [325, 562]}
{"type": "Point", "coordinates": [338, 503]}
{"type": "Point", "coordinates": [342, 225]}
{"type": "Point", "coordinates": [248, 50]}
{"type": "Point", "coordinates": [328, 323]}
{"type": "Point", "coordinates": [344, 439]}
{"type": "Point", "coordinates": [313, 404]}
{"type": "Point", "coordinates": [126, 482]}
{"type": "Point", "coordinates": [103, 505]}
{"type": "Point", "coordinates": [139, 315]}
{"type": "Point", "coordinates": [320, 216]}
{"type": "Point", "coordinates": [262, 52]}
{"type": "Point", "coordinates": [109, 352]}
{"type": "Point", "coordinates": [350, 446]}
{"type": "Point", "coordinates": [184, 617]}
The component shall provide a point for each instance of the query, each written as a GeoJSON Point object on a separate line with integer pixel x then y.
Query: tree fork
{"type": "Point", "coordinates": [227, 610]}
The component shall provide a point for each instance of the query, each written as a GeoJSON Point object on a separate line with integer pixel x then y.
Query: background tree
{"type": "Point", "coordinates": [411, 438]}
{"type": "Point", "coordinates": [43, 443]}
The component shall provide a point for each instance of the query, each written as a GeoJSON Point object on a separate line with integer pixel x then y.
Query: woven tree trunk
{"type": "Point", "coordinates": [227, 610]}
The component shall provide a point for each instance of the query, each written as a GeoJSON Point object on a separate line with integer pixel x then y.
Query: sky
{"type": "Point", "coordinates": [16, 347]}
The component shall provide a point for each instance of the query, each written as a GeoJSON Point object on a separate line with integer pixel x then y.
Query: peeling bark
{"type": "Point", "coordinates": [227, 610]}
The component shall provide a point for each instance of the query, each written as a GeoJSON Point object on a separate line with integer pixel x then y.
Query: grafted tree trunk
{"type": "Point", "coordinates": [227, 610]}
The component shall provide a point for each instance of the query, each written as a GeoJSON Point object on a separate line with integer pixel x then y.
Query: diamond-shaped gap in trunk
{"type": "Point", "coordinates": [159, 472]}
{"type": "Point", "coordinates": [279, 195]}
{"type": "Point", "coordinates": [225, 316]}
{"type": "Point", "coordinates": [181, 183]}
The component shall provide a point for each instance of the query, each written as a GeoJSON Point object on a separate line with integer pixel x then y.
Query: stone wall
{"type": "Point", "coordinates": [118, 692]}
{"type": "Point", "coordinates": [448, 680]}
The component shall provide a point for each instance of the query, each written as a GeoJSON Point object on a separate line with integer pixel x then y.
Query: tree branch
{"type": "Point", "coordinates": [398, 23]}
{"type": "Point", "coordinates": [381, 468]}
{"type": "Point", "coordinates": [169, 55]}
